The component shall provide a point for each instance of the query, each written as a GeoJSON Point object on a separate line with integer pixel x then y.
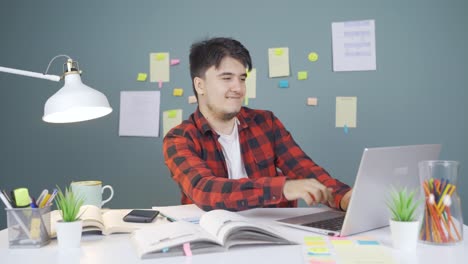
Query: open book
{"type": "Point", "coordinates": [105, 221]}
{"type": "Point", "coordinates": [218, 231]}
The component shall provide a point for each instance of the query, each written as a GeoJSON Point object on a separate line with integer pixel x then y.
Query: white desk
{"type": "Point", "coordinates": [118, 249]}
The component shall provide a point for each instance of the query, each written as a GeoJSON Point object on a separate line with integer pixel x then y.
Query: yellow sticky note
{"type": "Point", "coordinates": [302, 75]}
{"type": "Point", "coordinates": [178, 92]}
{"type": "Point", "coordinates": [313, 56]}
{"type": "Point", "coordinates": [278, 52]}
{"type": "Point", "coordinates": [319, 250]}
{"type": "Point", "coordinates": [160, 56]}
{"type": "Point", "coordinates": [315, 243]}
{"type": "Point", "coordinates": [142, 77]}
{"type": "Point", "coordinates": [341, 242]}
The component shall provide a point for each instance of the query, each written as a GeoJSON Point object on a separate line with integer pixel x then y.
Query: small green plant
{"type": "Point", "coordinates": [403, 204]}
{"type": "Point", "coordinates": [69, 204]}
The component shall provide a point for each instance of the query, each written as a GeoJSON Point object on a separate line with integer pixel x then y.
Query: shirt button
{"type": "Point", "coordinates": [274, 197]}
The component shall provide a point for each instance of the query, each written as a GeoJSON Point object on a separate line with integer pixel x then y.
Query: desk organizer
{"type": "Point", "coordinates": [28, 227]}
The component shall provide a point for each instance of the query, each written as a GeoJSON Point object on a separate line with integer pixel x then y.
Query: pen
{"type": "Point", "coordinates": [170, 219]}
{"type": "Point", "coordinates": [51, 198]}
{"type": "Point", "coordinates": [41, 196]}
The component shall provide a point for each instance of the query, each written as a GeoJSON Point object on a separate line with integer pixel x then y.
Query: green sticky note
{"type": "Point", "coordinates": [142, 77]}
{"type": "Point", "coordinates": [22, 198]}
{"type": "Point", "coordinates": [278, 52]}
{"type": "Point", "coordinates": [172, 113]}
{"type": "Point", "coordinates": [302, 75]}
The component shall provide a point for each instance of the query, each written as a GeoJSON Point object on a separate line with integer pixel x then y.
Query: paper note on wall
{"type": "Point", "coordinates": [139, 113]}
{"type": "Point", "coordinates": [171, 118]}
{"type": "Point", "coordinates": [354, 46]}
{"type": "Point", "coordinates": [251, 84]}
{"type": "Point", "coordinates": [159, 67]}
{"type": "Point", "coordinates": [346, 111]}
{"type": "Point", "coordinates": [278, 62]}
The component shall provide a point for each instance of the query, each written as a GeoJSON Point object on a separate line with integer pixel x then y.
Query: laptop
{"type": "Point", "coordinates": [380, 169]}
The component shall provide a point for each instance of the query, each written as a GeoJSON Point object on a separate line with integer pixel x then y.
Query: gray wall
{"type": "Point", "coordinates": [417, 95]}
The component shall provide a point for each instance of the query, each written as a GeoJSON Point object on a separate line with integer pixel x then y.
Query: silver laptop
{"type": "Point", "coordinates": [380, 169]}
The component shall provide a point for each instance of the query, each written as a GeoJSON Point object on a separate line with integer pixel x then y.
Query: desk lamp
{"type": "Point", "coordinates": [75, 101]}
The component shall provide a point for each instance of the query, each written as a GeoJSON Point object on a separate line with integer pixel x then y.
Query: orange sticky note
{"type": "Point", "coordinates": [312, 101]}
{"type": "Point", "coordinates": [192, 99]}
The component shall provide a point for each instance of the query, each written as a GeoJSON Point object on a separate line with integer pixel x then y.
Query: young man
{"type": "Point", "coordinates": [226, 156]}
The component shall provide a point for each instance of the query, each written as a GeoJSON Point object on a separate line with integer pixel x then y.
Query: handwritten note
{"type": "Point", "coordinates": [346, 108]}
{"type": "Point", "coordinates": [139, 113]}
{"type": "Point", "coordinates": [251, 84]}
{"type": "Point", "coordinates": [171, 118]}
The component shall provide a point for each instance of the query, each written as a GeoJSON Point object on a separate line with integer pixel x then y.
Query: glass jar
{"type": "Point", "coordinates": [442, 222]}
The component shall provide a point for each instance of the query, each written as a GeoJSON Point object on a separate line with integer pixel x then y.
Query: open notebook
{"type": "Point", "coordinates": [380, 169]}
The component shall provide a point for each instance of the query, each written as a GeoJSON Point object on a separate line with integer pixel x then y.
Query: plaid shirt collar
{"type": "Point", "coordinates": [203, 126]}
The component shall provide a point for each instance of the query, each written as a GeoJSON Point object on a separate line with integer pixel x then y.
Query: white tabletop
{"type": "Point", "coordinates": [117, 248]}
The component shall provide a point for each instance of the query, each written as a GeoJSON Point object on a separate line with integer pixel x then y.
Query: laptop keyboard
{"type": "Point", "coordinates": [334, 224]}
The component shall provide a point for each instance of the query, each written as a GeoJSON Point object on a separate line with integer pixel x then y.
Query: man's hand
{"type": "Point", "coordinates": [309, 190]}
{"type": "Point", "coordinates": [345, 200]}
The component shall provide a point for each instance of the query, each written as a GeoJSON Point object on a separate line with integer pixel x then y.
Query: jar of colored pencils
{"type": "Point", "coordinates": [442, 222]}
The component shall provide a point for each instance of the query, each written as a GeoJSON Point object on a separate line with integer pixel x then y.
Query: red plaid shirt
{"type": "Point", "coordinates": [196, 161]}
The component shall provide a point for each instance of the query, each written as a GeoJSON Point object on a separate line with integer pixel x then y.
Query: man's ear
{"type": "Point", "coordinates": [199, 85]}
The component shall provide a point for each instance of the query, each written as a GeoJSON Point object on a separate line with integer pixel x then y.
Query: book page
{"type": "Point", "coordinates": [90, 214]}
{"type": "Point", "coordinates": [187, 212]}
{"type": "Point", "coordinates": [171, 237]}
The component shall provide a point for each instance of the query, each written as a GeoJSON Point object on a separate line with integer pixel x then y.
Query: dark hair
{"type": "Point", "coordinates": [211, 52]}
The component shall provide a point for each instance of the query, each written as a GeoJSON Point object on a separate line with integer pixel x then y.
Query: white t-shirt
{"type": "Point", "coordinates": [232, 153]}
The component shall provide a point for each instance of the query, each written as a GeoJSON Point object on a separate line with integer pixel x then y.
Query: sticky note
{"type": "Point", "coordinates": [278, 51]}
{"type": "Point", "coordinates": [160, 84]}
{"type": "Point", "coordinates": [302, 75]}
{"type": "Point", "coordinates": [246, 101]}
{"type": "Point", "coordinates": [159, 67]}
{"type": "Point", "coordinates": [192, 99]}
{"type": "Point", "coordinates": [22, 198]}
{"type": "Point", "coordinates": [174, 62]}
{"type": "Point", "coordinates": [278, 62]}
{"type": "Point", "coordinates": [312, 101]}
{"type": "Point", "coordinates": [313, 56]}
{"type": "Point", "coordinates": [142, 77]}
{"type": "Point", "coordinates": [187, 250]}
{"type": "Point", "coordinates": [319, 250]}
{"type": "Point", "coordinates": [172, 113]}
{"type": "Point", "coordinates": [284, 84]}
{"type": "Point", "coordinates": [368, 242]}
{"type": "Point", "coordinates": [160, 56]}
{"type": "Point", "coordinates": [315, 243]}
{"type": "Point", "coordinates": [341, 242]}
{"type": "Point", "coordinates": [178, 92]}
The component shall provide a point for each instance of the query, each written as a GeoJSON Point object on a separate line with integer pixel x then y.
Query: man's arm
{"type": "Point", "coordinates": [198, 182]}
{"type": "Point", "coordinates": [306, 179]}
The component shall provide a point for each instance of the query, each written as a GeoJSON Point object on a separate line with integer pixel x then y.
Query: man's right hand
{"type": "Point", "coordinates": [309, 190]}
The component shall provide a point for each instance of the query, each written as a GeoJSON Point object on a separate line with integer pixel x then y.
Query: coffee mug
{"type": "Point", "coordinates": [91, 192]}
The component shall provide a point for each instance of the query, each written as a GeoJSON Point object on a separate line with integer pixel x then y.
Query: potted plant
{"type": "Point", "coordinates": [70, 227]}
{"type": "Point", "coordinates": [404, 226]}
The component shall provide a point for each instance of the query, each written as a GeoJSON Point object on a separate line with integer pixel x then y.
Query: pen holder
{"type": "Point", "coordinates": [442, 222]}
{"type": "Point", "coordinates": [28, 227]}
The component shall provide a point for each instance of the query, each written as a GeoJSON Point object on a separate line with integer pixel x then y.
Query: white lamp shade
{"type": "Point", "coordinates": [75, 102]}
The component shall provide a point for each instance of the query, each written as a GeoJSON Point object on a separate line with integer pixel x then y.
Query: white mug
{"type": "Point", "coordinates": [91, 192]}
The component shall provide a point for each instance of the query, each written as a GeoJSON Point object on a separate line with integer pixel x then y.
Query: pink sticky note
{"type": "Point", "coordinates": [175, 61]}
{"type": "Point", "coordinates": [187, 250]}
{"type": "Point", "coordinates": [160, 84]}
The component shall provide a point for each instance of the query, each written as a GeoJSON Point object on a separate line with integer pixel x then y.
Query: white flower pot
{"type": "Point", "coordinates": [404, 234]}
{"type": "Point", "coordinates": [69, 234]}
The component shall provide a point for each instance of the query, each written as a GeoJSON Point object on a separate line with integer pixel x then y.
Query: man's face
{"type": "Point", "coordinates": [224, 89]}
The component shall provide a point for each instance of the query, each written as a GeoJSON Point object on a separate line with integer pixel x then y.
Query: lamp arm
{"type": "Point", "coordinates": [54, 78]}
